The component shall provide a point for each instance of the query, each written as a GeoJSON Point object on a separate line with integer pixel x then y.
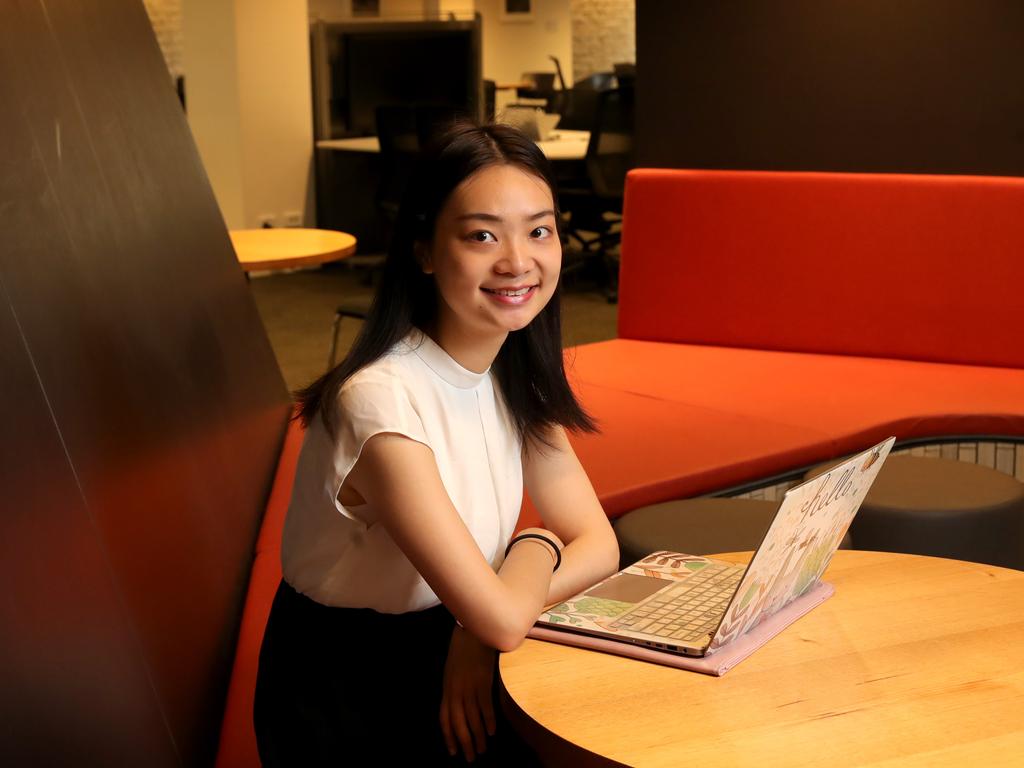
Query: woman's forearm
{"type": "Point", "coordinates": [526, 573]}
{"type": "Point", "coordinates": [585, 561]}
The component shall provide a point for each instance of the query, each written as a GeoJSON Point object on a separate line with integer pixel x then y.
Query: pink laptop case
{"type": "Point", "coordinates": [716, 663]}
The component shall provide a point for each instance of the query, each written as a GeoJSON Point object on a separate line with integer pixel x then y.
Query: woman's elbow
{"type": "Point", "coordinates": [505, 637]}
{"type": "Point", "coordinates": [609, 554]}
{"type": "Point", "coordinates": [504, 631]}
{"type": "Point", "coordinates": [509, 642]}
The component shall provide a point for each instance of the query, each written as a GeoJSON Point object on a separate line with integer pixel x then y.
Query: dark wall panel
{"type": "Point", "coordinates": [143, 342]}
{"type": "Point", "coordinates": [76, 689]}
{"type": "Point", "coordinates": [931, 86]}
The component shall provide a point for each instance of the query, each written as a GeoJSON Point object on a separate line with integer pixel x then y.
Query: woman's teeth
{"type": "Point", "coordinates": [517, 292]}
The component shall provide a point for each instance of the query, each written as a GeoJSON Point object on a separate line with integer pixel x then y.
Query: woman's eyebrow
{"type": "Point", "coordinates": [492, 217]}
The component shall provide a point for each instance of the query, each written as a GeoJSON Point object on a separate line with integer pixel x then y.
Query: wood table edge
{"type": "Point", "coordinates": [552, 749]}
{"type": "Point", "coordinates": [312, 260]}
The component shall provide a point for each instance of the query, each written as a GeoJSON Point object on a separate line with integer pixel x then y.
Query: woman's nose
{"type": "Point", "coordinates": [514, 259]}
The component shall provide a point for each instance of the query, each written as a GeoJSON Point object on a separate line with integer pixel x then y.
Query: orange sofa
{"type": "Point", "coordinates": [768, 321]}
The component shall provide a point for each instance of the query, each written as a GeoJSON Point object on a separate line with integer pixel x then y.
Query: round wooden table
{"type": "Point", "coordinates": [915, 661]}
{"type": "Point", "coordinates": [287, 247]}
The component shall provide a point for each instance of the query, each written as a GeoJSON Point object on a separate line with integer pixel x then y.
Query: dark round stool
{"type": "Point", "coordinates": [943, 508]}
{"type": "Point", "coordinates": [701, 526]}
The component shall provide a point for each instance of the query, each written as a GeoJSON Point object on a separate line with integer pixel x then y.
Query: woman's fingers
{"type": "Point", "coordinates": [467, 718]}
{"type": "Point", "coordinates": [462, 733]}
{"type": "Point", "coordinates": [475, 722]}
{"type": "Point", "coordinates": [487, 707]}
{"type": "Point", "coordinates": [467, 711]}
{"type": "Point", "coordinates": [459, 727]}
{"type": "Point", "coordinates": [446, 724]}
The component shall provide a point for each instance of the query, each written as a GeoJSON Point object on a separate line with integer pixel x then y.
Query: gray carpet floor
{"type": "Point", "coordinates": [297, 309]}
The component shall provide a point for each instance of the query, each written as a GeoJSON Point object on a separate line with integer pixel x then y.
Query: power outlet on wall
{"type": "Point", "coordinates": [292, 218]}
{"type": "Point", "coordinates": [266, 220]}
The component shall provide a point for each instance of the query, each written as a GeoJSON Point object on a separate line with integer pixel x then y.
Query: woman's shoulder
{"type": "Point", "coordinates": [380, 397]}
{"type": "Point", "coordinates": [390, 378]}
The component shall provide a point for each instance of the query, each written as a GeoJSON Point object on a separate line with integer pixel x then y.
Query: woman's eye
{"type": "Point", "coordinates": [482, 237]}
{"type": "Point", "coordinates": [540, 232]}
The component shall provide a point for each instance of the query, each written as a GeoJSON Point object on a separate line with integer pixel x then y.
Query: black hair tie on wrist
{"type": "Point", "coordinates": [521, 536]}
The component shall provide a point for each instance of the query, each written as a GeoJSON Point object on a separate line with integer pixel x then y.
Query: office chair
{"type": "Point", "coordinates": [558, 100]}
{"type": "Point", "coordinates": [354, 309]}
{"type": "Point", "coordinates": [558, 71]}
{"type": "Point", "coordinates": [541, 85]}
{"type": "Point", "coordinates": [579, 105]}
{"type": "Point", "coordinates": [598, 81]}
{"type": "Point", "coordinates": [625, 74]}
{"type": "Point", "coordinates": [595, 207]}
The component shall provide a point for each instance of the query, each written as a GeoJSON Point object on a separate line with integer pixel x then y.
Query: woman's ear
{"type": "Point", "coordinates": [422, 253]}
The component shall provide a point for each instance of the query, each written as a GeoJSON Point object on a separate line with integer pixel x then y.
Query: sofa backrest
{"type": "Point", "coordinates": [880, 265]}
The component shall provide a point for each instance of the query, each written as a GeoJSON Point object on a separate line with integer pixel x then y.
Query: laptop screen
{"type": "Point", "coordinates": [800, 542]}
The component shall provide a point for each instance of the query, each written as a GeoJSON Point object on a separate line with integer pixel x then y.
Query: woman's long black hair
{"type": "Point", "coordinates": [529, 366]}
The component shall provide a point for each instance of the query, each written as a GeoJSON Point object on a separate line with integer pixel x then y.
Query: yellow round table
{"type": "Point", "coordinates": [915, 661]}
{"type": "Point", "coordinates": [288, 247]}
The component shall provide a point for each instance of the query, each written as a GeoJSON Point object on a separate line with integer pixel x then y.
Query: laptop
{"type": "Point", "coordinates": [691, 606]}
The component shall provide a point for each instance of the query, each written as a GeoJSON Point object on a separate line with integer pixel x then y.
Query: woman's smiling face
{"type": "Point", "coordinates": [495, 254]}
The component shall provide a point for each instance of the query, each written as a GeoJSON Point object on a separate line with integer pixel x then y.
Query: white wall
{"type": "Point", "coordinates": [277, 107]}
{"type": "Point", "coordinates": [211, 91]}
{"type": "Point", "coordinates": [249, 104]}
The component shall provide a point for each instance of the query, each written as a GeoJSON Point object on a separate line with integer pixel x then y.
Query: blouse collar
{"type": "Point", "coordinates": [441, 363]}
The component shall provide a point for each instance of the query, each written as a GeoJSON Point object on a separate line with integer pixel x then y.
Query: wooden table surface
{"type": "Point", "coordinates": [915, 661]}
{"type": "Point", "coordinates": [287, 247]}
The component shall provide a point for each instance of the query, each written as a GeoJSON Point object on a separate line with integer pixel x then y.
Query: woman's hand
{"type": "Point", "coordinates": [467, 710]}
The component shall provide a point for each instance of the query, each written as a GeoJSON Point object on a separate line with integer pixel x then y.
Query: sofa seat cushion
{"type": "Point", "coordinates": [680, 420]}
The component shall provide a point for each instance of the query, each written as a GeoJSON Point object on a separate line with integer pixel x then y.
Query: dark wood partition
{"type": "Point", "coordinates": [141, 411]}
{"type": "Point", "coordinates": [924, 86]}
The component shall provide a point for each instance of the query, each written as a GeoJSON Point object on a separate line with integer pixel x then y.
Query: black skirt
{"type": "Point", "coordinates": [351, 686]}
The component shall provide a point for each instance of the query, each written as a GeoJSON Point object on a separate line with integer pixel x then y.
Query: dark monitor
{"type": "Point", "coordinates": [360, 66]}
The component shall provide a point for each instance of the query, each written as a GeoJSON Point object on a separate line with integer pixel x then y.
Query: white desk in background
{"type": "Point", "coordinates": [361, 144]}
{"type": "Point", "coordinates": [563, 145]}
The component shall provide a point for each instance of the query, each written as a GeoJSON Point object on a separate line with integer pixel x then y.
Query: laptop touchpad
{"type": "Point", "coordinates": [628, 588]}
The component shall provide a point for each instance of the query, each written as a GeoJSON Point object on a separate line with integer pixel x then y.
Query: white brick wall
{"type": "Point", "coordinates": [165, 16]}
{"type": "Point", "coordinates": [603, 34]}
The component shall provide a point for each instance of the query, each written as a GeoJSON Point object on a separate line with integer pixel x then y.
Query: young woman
{"type": "Point", "coordinates": [400, 581]}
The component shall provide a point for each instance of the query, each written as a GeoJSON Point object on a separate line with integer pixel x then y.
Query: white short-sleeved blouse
{"type": "Point", "coordinates": [340, 555]}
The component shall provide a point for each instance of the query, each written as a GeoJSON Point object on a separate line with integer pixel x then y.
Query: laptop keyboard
{"type": "Point", "coordinates": [688, 610]}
